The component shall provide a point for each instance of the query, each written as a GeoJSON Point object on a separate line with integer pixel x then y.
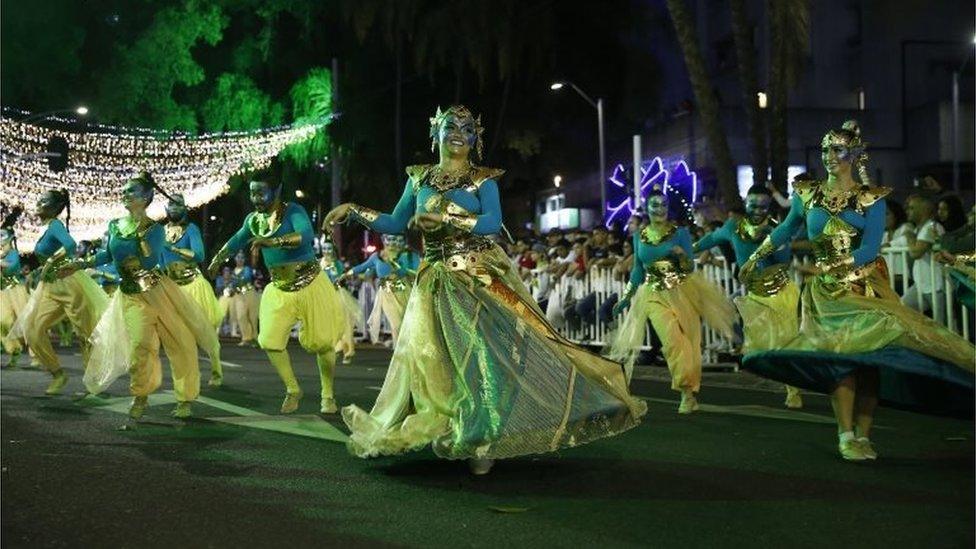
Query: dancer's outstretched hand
{"type": "Point", "coordinates": [339, 214]}
{"type": "Point", "coordinates": [620, 306]}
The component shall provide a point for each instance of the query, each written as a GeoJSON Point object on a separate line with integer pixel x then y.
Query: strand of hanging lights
{"type": "Point", "coordinates": [101, 158]}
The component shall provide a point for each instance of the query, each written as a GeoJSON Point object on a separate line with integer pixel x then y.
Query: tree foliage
{"type": "Point", "coordinates": [142, 82]}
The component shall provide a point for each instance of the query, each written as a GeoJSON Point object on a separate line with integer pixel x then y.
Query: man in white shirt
{"type": "Point", "coordinates": [927, 287]}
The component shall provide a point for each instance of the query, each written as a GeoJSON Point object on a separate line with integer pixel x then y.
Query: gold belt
{"type": "Point", "coordinates": [291, 277]}
{"type": "Point", "coordinates": [664, 275]}
{"type": "Point", "coordinates": [139, 280]}
{"type": "Point", "coordinates": [446, 250]}
{"type": "Point", "coordinates": [182, 273]}
{"type": "Point", "coordinates": [53, 272]}
{"type": "Point", "coordinates": [769, 281]}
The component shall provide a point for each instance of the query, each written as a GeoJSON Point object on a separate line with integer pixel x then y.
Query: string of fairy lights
{"type": "Point", "coordinates": [101, 158]}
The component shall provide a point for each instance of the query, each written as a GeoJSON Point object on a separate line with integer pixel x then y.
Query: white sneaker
{"type": "Point", "coordinates": [852, 450]}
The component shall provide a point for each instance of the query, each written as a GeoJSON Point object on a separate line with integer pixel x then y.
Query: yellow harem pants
{"type": "Point", "coordinates": [319, 310]}
{"type": "Point", "coordinates": [12, 302]}
{"type": "Point", "coordinates": [201, 292]}
{"type": "Point", "coordinates": [77, 297]}
{"type": "Point", "coordinates": [245, 307]}
{"type": "Point", "coordinates": [153, 317]}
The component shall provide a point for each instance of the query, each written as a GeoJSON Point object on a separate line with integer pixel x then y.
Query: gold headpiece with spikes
{"type": "Point", "coordinates": [459, 111]}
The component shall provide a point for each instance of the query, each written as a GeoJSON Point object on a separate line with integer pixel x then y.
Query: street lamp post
{"type": "Point", "coordinates": [598, 105]}
{"type": "Point", "coordinates": [955, 121]}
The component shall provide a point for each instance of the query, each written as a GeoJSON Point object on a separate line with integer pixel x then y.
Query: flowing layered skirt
{"type": "Point", "coordinates": [478, 373]}
{"type": "Point", "coordinates": [769, 322]}
{"type": "Point", "coordinates": [922, 365]}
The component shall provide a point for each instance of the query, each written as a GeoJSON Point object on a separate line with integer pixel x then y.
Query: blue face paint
{"type": "Point", "coordinates": [458, 134]}
{"type": "Point", "coordinates": [657, 207]}
{"type": "Point", "coordinates": [135, 193]}
{"type": "Point", "coordinates": [263, 195]}
{"type": "Point", "coordinates": [176, 210]}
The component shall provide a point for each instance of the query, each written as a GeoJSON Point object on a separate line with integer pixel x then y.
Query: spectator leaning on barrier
{"type": "Point", "coordinates": [950, 212]}
{"type": "Point", "coordinates": [921, 212]}
{"type": "Point", "coordinates": [962, 239]}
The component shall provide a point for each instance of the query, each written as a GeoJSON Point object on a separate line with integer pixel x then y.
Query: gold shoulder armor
{"type": "Point", "coordinates": [417, 173]}
{"type": "Point", "coordinates": [867, 196]}
{"type": "Point", "coordinates": [805, 190]}
{"type": "Point", "coordinates": [480, 174]}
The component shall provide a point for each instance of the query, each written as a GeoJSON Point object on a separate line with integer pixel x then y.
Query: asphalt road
{"type": "Point", "coordinates": [744, 472]}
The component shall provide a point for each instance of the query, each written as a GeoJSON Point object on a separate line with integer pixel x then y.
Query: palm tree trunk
{"type": "Point", "coordinates": [708, 106]}
{"type": "Point", "coordinates": [745, 55]}
{"type": "Point", "coordinates": [496, 134]}
{"type": "Point", "coordinates": [778, 86]}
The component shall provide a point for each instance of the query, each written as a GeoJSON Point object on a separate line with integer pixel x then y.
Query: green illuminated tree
{"type": "Point", "coordinates": [140, 84]}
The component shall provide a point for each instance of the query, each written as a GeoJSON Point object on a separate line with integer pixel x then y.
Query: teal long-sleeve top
{"type": "Point", "coordinates": [243, 277]}
{"type": "Point", "coordinates": [55, 237]}
{"type": "Point", "coordinates": [484, 203]}
{"type": "Point", "coordinates": [191, 240]}
{"type": "Point", "coordinates": [381, 268]}
{"type": "Point", "coordinates": [870, 224]}
{"type": "Point", "coordinates": [11, 265]}
{"type": "Point", "coordinates": [743, 249]}
{"type": "Point", "coordinates": [645, 253]}
{"type": "Point", "coordinates": [294, 220]}
{"type": "Point", "coordinates": [408, 262]}
{"type": "Point", "coordinates": [120, 247]}
{"type": "Point", "coordinates": [334, 270]}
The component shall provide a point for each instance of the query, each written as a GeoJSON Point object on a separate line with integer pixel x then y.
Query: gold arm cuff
{"type": "Point", "coordinates": [629, 290]}
{"type": "Point", "coordinates": [463, 222]}
{"type": "Point", "coordinates": [219, 258]}
{"type": "Point", "coordinates": [365, 214]}
{"type": "Point", "coordinates": [290, 240]}
{"type": "Point", "coordinates": [185, 253]}
{"type": "Point", "coordinates": [764, 249]}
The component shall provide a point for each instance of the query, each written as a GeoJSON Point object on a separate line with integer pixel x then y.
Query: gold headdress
{"type": "Point", "coordinates": [850, 136]}
{"type": "Point", "coordinates": [459, 111]}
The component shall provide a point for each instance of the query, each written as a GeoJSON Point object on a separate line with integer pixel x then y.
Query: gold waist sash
{"type": "Point", "coordinates": [137, 281]}
{"type": "Point", "coordinates": [53, 274]}
{"type": "Point", "coordinates": [664, 274]}
{"type": "Point", "coordinates": [450, 249]}
{"type": "Point", "coordinates": [769, 281]}
{"type": "Point", "coordinates": [291, 277]}
{"type": "Point", "coordinates": [181, 272]}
